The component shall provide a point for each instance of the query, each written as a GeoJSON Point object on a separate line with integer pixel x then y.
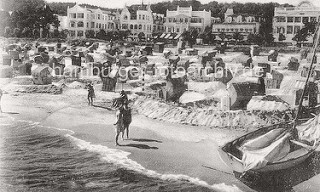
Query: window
{"type": "Point", "coordinates": [296, 29]}
{"type": "Point", "coordinates": [290, 19]}
{"type": "Point", "coordinates": [131, 26]}
{"type": "Point", "coordinates": [72, 24]}
{"type": "Point", "coordinates": [99, 25]}
{"type": "Point", "coordinates": [178, 30]}
{"type": "Point", "coordinates": [186, 20]}
{"type": "Point", "coordinates": [140, 26]}
{"type": "Point", "coordinates": [169, 29]}
{"type": "Point", "coordinates": [305, 19]}
{"type": "Point", "coordinates": [73, 15]}
{"type": "Point", "coordinates": [139, 17]}
{"type": "Point", "coordinates": [87, 25]}
{"type": "Point", "coordinates": [289, 29]}
{"type": "Point", "coordinates": [72, 33]}
{"type": "Point", "coordinates": [92, 24]}
{"type": "Point", "coordinates": [143, 17]}
{"type": "Point", "coordinates": [80, 15]}
{"type": "Point", "coordinates": [80, 24]}
{"type": "Point", "coordinates": [313, 19]}
{"type": "Point", "coordinates": [80, 34]}
{"type": "Point", "coordinates": [170, 20]}
{"type": "Point", "coordinates": [124, 26]}
{"type": "Point", "coordinates": [135, 26]}
{"type": "Point", "coordinates": [125, 17]}
{"type": "Point", "coordinates": [297, 19]}
{"type": "Point", "coordinates": [99, 16]}
{"type": "Point", "coordinates": [280, 30]}
{"type": "Point", "coordinates": [281, 19]}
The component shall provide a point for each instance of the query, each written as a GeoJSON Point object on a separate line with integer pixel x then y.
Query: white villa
{"type": "Point", "coordinates": [289, 20]}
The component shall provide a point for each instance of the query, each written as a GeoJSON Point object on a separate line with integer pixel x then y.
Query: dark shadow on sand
{"type": "Point", "coordinates": [11, 113]}
{"type": "Point", "coordinates": [283, 180]}
{"type": "Point", "coordinates": [139, 146]}
{"type": "Point", "coordinates": [103, 107]}
{"type": "Point", "coordinates": [146, 140]}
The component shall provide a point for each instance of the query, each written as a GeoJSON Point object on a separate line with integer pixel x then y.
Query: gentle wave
{"type": "Point", "coordinates": [120, 158]}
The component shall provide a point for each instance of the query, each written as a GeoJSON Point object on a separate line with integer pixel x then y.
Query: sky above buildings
{"type": "Point", "coordinates": [121, 3]}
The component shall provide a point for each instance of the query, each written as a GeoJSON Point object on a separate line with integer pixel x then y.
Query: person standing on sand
{"type": "Point", "coordinates": [123, 116]}
{"type": "Point", "coordinates": [91, 94]}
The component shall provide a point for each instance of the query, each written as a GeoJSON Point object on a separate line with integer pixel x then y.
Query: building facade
{"type": "Point", "coordinates": [80, 19]}
{"type": "Point", "coordinates": [137, 19]}
{"type": "Point", "coordinates": [158, 21]}
{"type": "Point", "coordinates": [184, 19]}
{"type": "Point", "coordinates": [289, 20]}
{"type": "Point", "coordinates": [243, 24]}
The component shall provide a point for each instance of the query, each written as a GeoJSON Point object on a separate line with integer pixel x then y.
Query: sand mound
{"type": "Point", "coordinates": [50, 89]}
{"type": "Point", "coordinates": [206, 87]}
{"type": "Point", "coordinates": [267, 103]}
{"type": "Point", "coordinates": [210, 116]}
{"type": "Point", "coordinates": [76, 85]}
{"type": "Point", "coordinates": [189, 97]}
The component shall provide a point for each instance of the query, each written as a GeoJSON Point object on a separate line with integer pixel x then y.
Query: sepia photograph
{"type": "Point", "coordinates": [159, 96]}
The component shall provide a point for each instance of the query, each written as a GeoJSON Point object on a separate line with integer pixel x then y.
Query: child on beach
{"type": "Point", "coordinates": [91, 94]}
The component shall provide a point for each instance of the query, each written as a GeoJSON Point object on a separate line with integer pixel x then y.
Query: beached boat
{"type": "Point", "coordinates": [239, 154]}
{"type": "Point", "coordinates": [276, 147]}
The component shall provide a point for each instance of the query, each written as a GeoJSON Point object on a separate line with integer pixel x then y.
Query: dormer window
{"type": "Point", "coordinates": [125, 17]}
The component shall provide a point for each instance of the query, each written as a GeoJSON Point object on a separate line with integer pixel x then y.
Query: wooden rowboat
{"type": "Point", "coordinates": [232, 155]}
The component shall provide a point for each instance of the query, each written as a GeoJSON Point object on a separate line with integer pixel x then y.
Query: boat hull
{"type": "Point", "coordinates": [227, 153]}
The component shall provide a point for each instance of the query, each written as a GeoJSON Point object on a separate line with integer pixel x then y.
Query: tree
{"type": "Point", "coordinates": [222, 36]}
{"type": "Point", "coordinates": [141, 36]}
{"type": "Point", "coordinates": [237, 36]}
{"type": "Point", "coordinates": [64, 34]}
{"type": "Point", "coordinates": [251, 38]}
{"type": "Point", "coordinates": [304, 33]}
{"type": "Point", "coordinates": [7, 31]}
{"type": "Point", "coordinates": [190, 36]}
{"type": "Point", "coordinates": [56, 33]}
{"type": "Point", "coordinates": [90, 33]}
{"type": "Point", "coordinates": [34, 14]}
{"type": "Point", "coordinates": [16, 32]}
{"type": "Point", "coordinates": [101, 34]}
{"type": "Point", "coordinates": [282, 37]}
{"type": "Point", "coordinates": [26, 32]}
{"type": "Point", "coordinates": [207, 35]}
{"type": "Point", "coordinates": [124, 34]}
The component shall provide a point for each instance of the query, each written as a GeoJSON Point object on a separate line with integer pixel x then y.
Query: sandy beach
{"type": "Point", "coordinates": [168, 151]}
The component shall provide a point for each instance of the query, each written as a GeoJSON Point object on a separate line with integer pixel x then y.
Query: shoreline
{"type": "Point", "coordinates": [158, 146]}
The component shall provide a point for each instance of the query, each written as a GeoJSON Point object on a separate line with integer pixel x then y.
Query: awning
{"type": "Point", "coordinates": [162, 36]}
{"type": "Point", "coordinates": [178, 36]}
{"type": "Point", "coordinates": [167, 36]}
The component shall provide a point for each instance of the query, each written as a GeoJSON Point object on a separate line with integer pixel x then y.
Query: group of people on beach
{"type": "Point", "coordinates": [123, 111]}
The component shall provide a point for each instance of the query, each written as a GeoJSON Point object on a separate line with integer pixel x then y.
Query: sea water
{"type": "Point", "coordinates": [37, 158]}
